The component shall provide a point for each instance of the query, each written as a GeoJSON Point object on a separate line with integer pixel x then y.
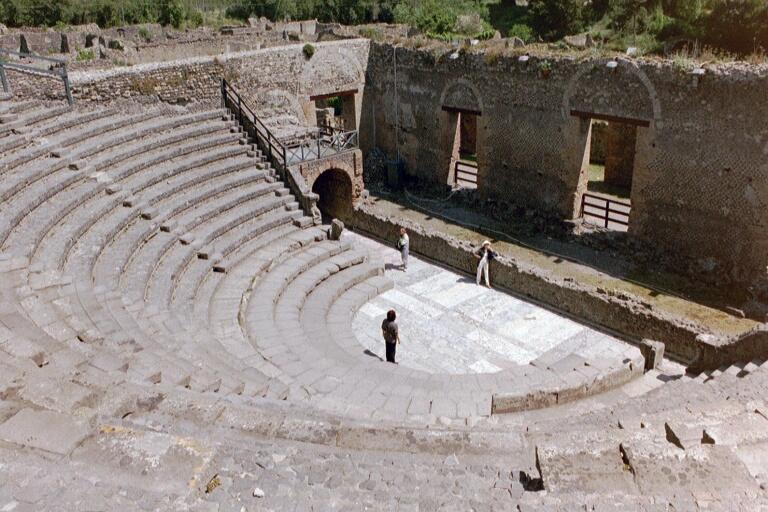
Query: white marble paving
{"type": "Point", "coordinates": [448, 324]}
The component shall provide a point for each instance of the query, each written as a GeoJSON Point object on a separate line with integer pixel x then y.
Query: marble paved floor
{"type": "Point", "coordinates": [448, 324]}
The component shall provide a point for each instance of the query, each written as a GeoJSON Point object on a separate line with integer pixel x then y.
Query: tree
{"type": "Point", "coordinates": [739, 26]}
{"type": "Point", "coordinates": [555, 19]}
{"type": "Point", "coordinates": [172, 13]}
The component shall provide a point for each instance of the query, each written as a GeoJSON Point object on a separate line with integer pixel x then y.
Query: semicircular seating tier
{"type": "Point", "coordinates": [155, 271]}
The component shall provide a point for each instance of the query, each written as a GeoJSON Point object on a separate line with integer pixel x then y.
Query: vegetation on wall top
{"type": "Point", "coordinates": [653, 26]}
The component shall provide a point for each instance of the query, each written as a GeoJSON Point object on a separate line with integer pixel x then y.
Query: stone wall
{"type": "Point", "coordinates": [700, 168]}
{"type": "Point", "coordinates": [264, 76]}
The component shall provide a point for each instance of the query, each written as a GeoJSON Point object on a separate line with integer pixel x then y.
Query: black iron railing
{"type": "Point", "coordinates": [61, 72]}
{"type": "Point", "coordinates": [250, 122]}
{"type": "Point", "coordinates": [609, 212]}
{"type": "Point", "coordinates": [324, 142]}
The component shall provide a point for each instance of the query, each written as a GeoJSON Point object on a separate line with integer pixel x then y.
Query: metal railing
{"type": "Point", "coordinates": [250, 122]}
{"type": "Point", "coordinates": [609, 212]}
{"type": "Point", "coordinates": [465, 174]}
{"type": "Point", "coordinates": [328, 144]}
{"type": "Point", "coordinates": [44, 71]}
{"type": "Point", "coordinates": [326, 141]}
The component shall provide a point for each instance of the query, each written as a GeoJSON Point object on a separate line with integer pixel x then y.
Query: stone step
{"type": "Point", "coordinates": [99, 127]}
{"type": "Point", "coordinates": [184, 192]}
{"type": "Point", "coordinates": [60, 123]}
{"type": "Point", "coordinates": [190, 270]}
{"type": "Point", "coordinates": [221, 213]}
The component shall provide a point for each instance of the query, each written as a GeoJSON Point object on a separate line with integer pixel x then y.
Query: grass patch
{"type": "Point", "coordinates": [597, 183]}
{"type": "Point", "coordinates": [468, 157]}
{"type": "Point", "coordinates": [85, 55]}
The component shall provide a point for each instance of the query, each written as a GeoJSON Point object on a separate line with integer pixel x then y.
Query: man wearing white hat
{"type": "Point", "coordinates": [484, 254]}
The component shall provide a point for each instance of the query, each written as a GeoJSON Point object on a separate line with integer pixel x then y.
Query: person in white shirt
{"type": "Point", "coordinates": [403, 247]}
{"type": "Point", "coordinates": [484, 254]}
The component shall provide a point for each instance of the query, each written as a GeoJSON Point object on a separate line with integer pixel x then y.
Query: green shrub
{"type": "Point", "coordinates": [371, 33]}
{"type": "Point", "coordinates": [545, 67]}
{"type": "Point", "coordinates": [145, 34]}
{"type": "Point", "coordinates": [521, 31]}
{"type": "Point", "coordinates": [85, 55]}
{"type": "Point", "coordinates": [308, 51]}
{"type": "Point", "coordinates": [486, 34]}
{"type": "Point", "coordinates": [172, 13]}
{"type": "Point", "coordinates": [195, 19]}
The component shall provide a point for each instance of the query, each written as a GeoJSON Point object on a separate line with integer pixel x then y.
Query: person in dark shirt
{"type": "Point", "coordinates": [484, 255]}
{"type": "Point", "coordinates": [391, 335]}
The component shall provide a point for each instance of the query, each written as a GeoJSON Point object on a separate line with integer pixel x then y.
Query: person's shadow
{"type": "Point", "coordinates": [369, 353]}
{"type": "Point", "coordinates": [465, 279]}
{"type": "Point", "coordinates": [392, 266]}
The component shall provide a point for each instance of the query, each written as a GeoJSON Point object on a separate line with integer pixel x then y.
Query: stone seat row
{"type": "Point", "coordinates": [60, 216]}
{"type": "Point", "coordinates": [37, 184]}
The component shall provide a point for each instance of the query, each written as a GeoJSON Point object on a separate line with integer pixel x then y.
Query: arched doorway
{"type": "Point", "coordinates": [461, 135]}
{"type": "Point", "coordinates": [334, 188]}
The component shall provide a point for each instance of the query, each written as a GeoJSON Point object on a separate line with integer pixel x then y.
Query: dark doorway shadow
{"type": "Point", "coordinates": [369, 353]}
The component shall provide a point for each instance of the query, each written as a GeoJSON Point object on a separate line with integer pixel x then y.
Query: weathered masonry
{"type": "Point", "coordinates": [689, 149]}
{"type": "Point", "coordinates": [697, 171]}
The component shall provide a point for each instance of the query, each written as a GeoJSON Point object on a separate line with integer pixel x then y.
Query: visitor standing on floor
{"type": "Point", "coordinates": [484, 254]}
{"type": "Point", "coordinates": [403, 246]}
{"type": "Point", "coordinates": [391, 335]}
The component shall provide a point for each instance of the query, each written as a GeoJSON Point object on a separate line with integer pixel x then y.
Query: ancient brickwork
{"type": "Point", "coordinates": [282, 70]}
{"type": "Point", "coordinates": [699, 169]}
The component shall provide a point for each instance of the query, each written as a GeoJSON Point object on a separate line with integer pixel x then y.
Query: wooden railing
{"type": "Point", "coordinates": [61, 72]}
{"type": "Point", "coordinates": [605, 211]}
{"type": "Point", "coordinates": [465, 174]}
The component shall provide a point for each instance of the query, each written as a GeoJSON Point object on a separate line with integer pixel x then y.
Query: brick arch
{"type": "Point", "coordinates": [335, 189]}
{"type": "Point", "coordinates": [332, 69]}
{"type": "Point", "coordinates": [461, 94]}
{"type": "Point", "coordinates": [596, 88]}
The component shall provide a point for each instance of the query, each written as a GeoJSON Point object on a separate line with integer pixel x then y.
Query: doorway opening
{"type": "Point", "coordinates": [609, 156]}
{"type": "Point", "coordinates": [335, 112]}
{"type": "Point", "coordinates": [334, 187]}
{"type": "Point", "coordinates": [464, 150]}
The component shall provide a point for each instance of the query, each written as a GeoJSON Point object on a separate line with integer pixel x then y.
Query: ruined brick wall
{"type": "Point", "coordinates": [274, 74]}
{"type": "Point", "coordinates": [699, 180]}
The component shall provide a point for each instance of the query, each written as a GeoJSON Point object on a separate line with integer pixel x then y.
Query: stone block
{"type": "Point", "coordinates": [45, 430]}
{"type": "Point", "coordinates": [514, 402]}
{"type": "Point", "coordinates": [108, 363]}
{"type": "Point", "coordinates": [187, 238]}
{"type": "Point", "coordinates": [653, 352]}
{"type": "Point", "coordinates": [206, 253]}
{"type": "Point", "coordinates": [60, 152]}
{"type": "Point", "coordinates": [149, 213]}
{"type": "Point", "coordinates": [337, 227]}
{"type": "Point", "coordinates": [22, 347]}
{"type": "Point", "coordinates": [113, 188]}
{"type": "Point", "coordinates": [169, 225]}
{"type": "Point", "coordinates": [130, 202]}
